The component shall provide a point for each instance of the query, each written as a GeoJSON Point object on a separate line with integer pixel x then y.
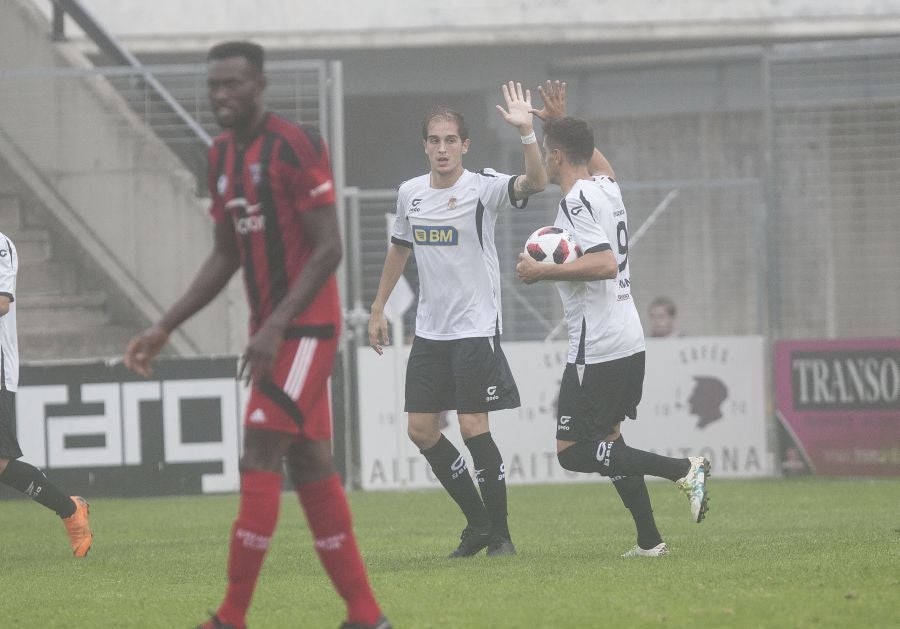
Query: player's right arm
{"type": "Point", "coordinates": [212, 277]}
{"type": "Point", "coordinates": [394, 264]}
{"type": "Point", "coordinates": [553, 94]}
{"type": "Point", "coordinates": [593, 266]}
{"type": "Point", "coordinates": [519, 114]}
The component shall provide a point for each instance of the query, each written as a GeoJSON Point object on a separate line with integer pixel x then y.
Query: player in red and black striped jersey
{"type": "Point", "coordinates": [263, 189]}
{"type": "Point", "coordinates": [273, 206]}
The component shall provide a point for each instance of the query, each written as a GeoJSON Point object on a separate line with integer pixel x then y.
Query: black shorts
{"type": "Point", "coordinates": [466, 375]}
{"type": "Point", "coordinates": [590, 407]}
{"type": "Point", "coordinates": [9, 445]}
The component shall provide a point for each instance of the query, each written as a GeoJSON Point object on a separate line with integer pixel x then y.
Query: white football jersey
{"type": "Point", "coordinates": [451, 231]}
{"type": "Point", "coordinates": [9, 343]}
{"type": "Point", "coordinates": [603, 321]}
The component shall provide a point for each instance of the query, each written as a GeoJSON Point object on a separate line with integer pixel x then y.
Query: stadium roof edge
{"type": "Point", "coordinates": [722, 33]}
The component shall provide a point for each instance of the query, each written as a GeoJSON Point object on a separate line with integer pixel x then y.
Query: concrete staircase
{"type": "Point", "coordinates": [61, 313]}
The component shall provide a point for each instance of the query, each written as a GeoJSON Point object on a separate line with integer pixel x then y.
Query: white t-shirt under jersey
{"type": "Point", "coordinates": [603, 321]}
{"type": "Point", "coordinates": [451, 231]}
{"type": "Point", "coordinates": [9, 343]}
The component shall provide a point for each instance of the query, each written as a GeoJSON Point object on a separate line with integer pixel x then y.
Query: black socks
{"type": "Point", "coordinates": [633, 492]}
{"type": "Point", "coordinates": [451, 470]}
{"type": "Point", "coordinates": [31, 481]}
{"type": "Point", "coordinates": [491, 476]}
{"type": "Point", "coordinates": [614, 458]}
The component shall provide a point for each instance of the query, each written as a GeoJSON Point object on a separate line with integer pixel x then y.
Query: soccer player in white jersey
{"type": "Point", "coordinates": [603, 378]}
{"type": "Point", "coordinates": [14, 473]}
{"type": "Point", "coordinates": [447, 217]}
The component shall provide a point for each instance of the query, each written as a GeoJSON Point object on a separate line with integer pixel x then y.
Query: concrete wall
{"type": "Point", "coordinates": [107, 179]}
{"type": "Point", "coordinates": [399, 23]}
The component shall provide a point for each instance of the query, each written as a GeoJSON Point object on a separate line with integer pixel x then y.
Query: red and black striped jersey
{"type": "Point", "coordinates": [264, 189]}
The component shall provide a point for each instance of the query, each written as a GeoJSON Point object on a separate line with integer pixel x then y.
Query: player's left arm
{"type": "Point", "coordinates": [518, 113]}
{"type": "Point", "coordinates": [600, 166]}
{"type": "Point", "coordinates": [553, 93]}
{"type": "Point", "coordinates": [322, 230]}
{"type": "Point", "coordinates": [592, 266]}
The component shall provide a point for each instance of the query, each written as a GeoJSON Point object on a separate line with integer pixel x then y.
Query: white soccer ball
{"type": "Point", "coordinates": [552, 245]}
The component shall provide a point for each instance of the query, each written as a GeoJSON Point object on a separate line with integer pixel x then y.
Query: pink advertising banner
{"type": "Point", "coordinates": [840, 401]}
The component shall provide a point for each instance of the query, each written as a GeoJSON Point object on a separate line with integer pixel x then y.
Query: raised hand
{"type": "Point", "coordinates": [518, 107]}
{"type": "Point", "coordinates": [553, 93]}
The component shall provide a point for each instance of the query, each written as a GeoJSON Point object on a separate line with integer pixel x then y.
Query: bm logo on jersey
{"type": "Point", "coordinates": [438, 236]}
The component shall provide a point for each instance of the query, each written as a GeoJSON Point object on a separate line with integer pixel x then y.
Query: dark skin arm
{"type": "Point", "coordinates": [212, 277]}
{"type": "Point", "coordinates": [322, 229]}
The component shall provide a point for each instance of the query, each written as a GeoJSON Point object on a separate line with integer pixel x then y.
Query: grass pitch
{"type": "Point", "coordinates": [800, 553]}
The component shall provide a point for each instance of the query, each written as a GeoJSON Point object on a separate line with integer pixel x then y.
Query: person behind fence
{"type": "Point", "coordinates": [447, 217]}
{"type": "Point", "coordinates": [19, 475]}
{"type": "Point", "coordinates": [662, 312]}
{"type": "Point", "coordinates": [273, 207]}
{"type": "Point", "coordinates": [603, 379]}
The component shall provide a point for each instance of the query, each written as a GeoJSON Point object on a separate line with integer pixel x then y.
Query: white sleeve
{"type": "Point", "coordinates": [9, 266]}
{"type": "Point", "coordinates": [584, 223]}
{"type": "Point", "coordinates": [401, 233]}
{"type": "Point", "coordinates": [496, 190]}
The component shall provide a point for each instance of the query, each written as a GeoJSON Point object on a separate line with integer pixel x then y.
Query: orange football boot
{"type": "Point", "coordinates": [78, 527]}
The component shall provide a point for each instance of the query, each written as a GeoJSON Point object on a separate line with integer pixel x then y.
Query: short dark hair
{"type": "Point", "coordinates": [445, 113]}
{"type": "Point", "coordinates": [666, 303]}
{"type": "Point", "coordinates": [573, 136]}
{"type": "Point", "coordinates": [253, 53]}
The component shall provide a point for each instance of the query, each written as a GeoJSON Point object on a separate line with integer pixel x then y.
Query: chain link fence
{"type": "Point", "coordinates": [834, 137]}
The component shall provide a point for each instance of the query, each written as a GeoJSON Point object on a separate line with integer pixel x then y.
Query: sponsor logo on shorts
{"type": "Point", "coordinates": [491, 394]}
{"type": "Point", "coordinates": [502, 472]}
{"type": "Point", "coordinates": [479, 475]}
{"type": "Point", "coordinates": [563, 423]}
{"type": "Point", "coordinates": [258, 416]}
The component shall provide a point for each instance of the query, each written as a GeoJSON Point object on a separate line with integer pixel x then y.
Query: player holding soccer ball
{"type": "Point", "coordinates": [447, 217]}
{"type": "Point", "coordinates": [603, 379]}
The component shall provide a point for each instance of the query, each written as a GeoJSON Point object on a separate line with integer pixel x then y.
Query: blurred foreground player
{"type": "Point", "coordinates": [273, 206]}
